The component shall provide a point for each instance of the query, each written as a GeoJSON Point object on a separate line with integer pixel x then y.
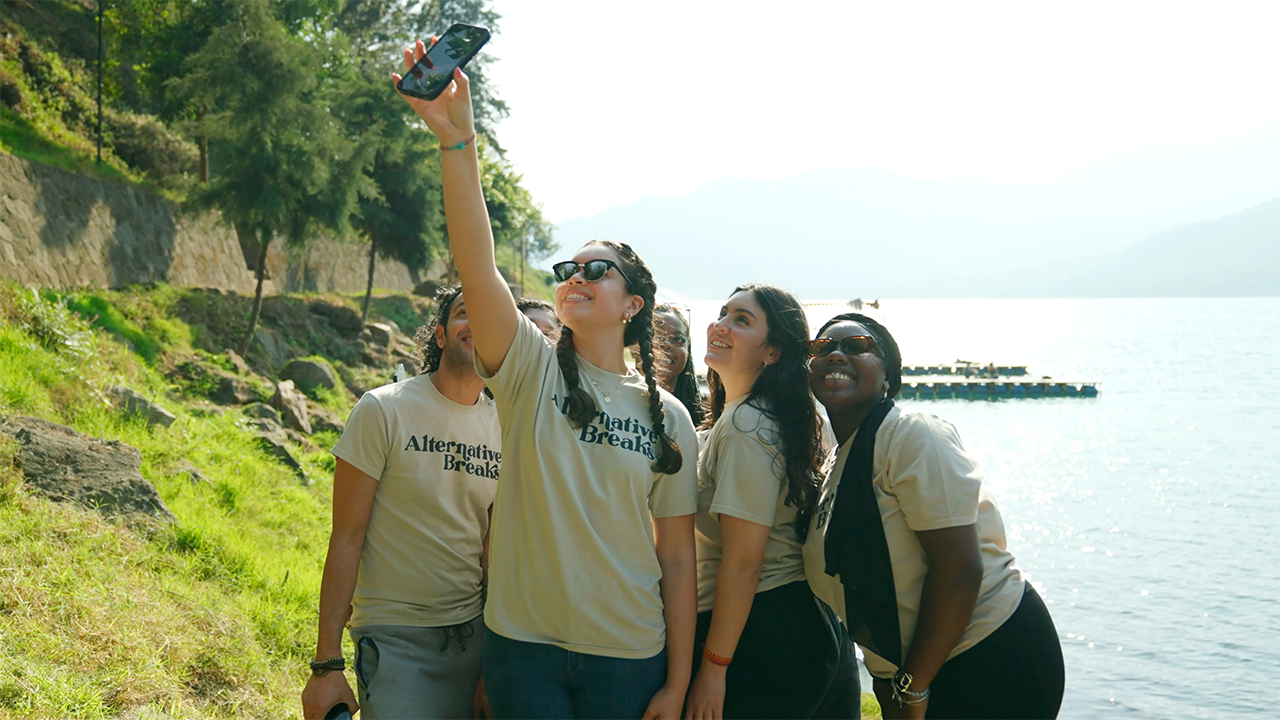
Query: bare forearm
{"type": "Point", "coordinates": [735, 593]}
{"type": "Point", "coordinates": [337, 586]}
{"type": "Point", "coordinates": [470, 234]}
{"type": "Point", "coordinates": [946, 607]}
{"type": "Point", "coordinates": [679, 588]}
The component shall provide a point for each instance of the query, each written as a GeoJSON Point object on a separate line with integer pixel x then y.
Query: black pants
{"type": "Point", "coordinates": [787, 657]}
{"type": "Point", "coordinates": [1015, 672]}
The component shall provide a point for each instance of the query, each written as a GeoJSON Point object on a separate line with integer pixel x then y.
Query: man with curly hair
{"type": "Point", "coordinates": [417, 470]}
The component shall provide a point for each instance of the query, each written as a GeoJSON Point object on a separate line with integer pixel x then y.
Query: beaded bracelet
{"type": "Point", "coordinates": [717, 659]}
{"type": "Point", "coordinates": [459, 146]}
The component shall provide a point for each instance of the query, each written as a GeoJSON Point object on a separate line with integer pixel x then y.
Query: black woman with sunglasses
{"type": "Point", "coordinates": [592, 587]}
{"type": "Point", "coordinates": [910, 550]}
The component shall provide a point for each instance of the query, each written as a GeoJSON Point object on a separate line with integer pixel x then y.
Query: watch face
{"type": "Point", "coordinates": [902, 680]}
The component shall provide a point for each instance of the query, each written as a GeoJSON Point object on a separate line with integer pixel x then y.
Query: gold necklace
{"type": "Point", "coordinates": [608, 399]}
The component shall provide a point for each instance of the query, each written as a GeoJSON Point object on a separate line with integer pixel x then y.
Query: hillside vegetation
{"type": "Point", "coordinates": [212, 615]}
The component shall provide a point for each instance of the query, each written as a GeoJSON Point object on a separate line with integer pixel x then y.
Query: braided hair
{"type": "Point", "coordinates": [582, 408]}
{"type": "Point", "coordinates": [781, 392]}
{"type": "Point", "coordinates": [425, 337]}
{"type": "Point", "coordinates": [888, 347]}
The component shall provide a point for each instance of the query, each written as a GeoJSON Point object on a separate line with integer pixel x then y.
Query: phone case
{"type": "Point", "coordinates": [462, 62]}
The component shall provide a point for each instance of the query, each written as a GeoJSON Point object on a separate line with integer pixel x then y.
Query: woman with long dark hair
{"type": "Point", "coordinates": [770, 649]}
{"type": "Point", "coordinates": [909, 549]}
{"type": "Point", "coordinates": [675, 372]}
{"type": "Point", "coordinates": [592, 586]}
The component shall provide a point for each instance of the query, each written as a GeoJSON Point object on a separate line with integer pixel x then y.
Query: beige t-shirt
{"type": "Point", "coordinates": [924, 480]}
{"type": "Point", "coordinates": [571, 556]}
{"type": "Point", "coordinates": [742, 474]}
{"type": "Point", "coordinates": [436, 463]}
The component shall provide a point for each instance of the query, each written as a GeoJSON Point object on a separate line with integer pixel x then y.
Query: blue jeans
{"type": "Point", "coordinates": [536, 680]}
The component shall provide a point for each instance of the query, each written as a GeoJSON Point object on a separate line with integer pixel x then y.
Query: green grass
{"type": "Point", "coordinates": [19, 137]}
{"type": "Point", "coordinates": [211, 616]}
{"type": "Point", "coordinates": [870, 707]}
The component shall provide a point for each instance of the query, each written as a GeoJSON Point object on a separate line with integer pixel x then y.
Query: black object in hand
{"type": "Point", "coordinates": [338, 712]}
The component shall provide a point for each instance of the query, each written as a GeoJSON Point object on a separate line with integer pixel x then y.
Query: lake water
{"type": "Point", "coordinates": [1147, 516]}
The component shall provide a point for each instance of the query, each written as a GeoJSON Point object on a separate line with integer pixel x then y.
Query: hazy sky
{"type": "Point", "coordinates": [613, 101]}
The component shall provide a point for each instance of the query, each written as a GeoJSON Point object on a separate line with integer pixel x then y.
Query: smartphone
{"type": "Point", "coordinates": [433, 73]}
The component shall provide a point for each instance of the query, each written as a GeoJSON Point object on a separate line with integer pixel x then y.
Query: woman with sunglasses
{"type": "Point", "coordinates": [769, 648]}
{"type": "Point", "coordinates": [675, 372]}
{"type": "Point", "coordinates": [592, 586]}
{"type": "Point", "coordinates": [910, 550]}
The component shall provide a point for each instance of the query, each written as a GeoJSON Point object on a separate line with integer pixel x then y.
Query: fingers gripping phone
{"type": "Point", "coordinates": [433, 73]}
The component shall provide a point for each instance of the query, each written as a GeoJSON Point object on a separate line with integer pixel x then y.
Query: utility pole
{"type": "Point", "coordinates": [101, 52]}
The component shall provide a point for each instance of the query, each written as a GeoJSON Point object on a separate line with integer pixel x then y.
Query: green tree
{"type": "Point", "coordinates": [402, 213]}
{"type": "Point", "coordinates": [283, 165]}
{"type": "Point", "coordinates": [517, 220]}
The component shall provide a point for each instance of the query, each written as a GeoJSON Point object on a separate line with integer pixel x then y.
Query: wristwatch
{"type": "Point", "coordinates": [324, 667]}
{"type": "Point", "coordinates": [901, 681]}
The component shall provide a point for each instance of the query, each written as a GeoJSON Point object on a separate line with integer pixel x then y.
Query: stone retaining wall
{"type": "Point", "coordinates": [62, 230]}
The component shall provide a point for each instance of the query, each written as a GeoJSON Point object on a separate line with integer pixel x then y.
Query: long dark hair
{"type": "Point", "coordinates": [425, 337]}
{"type": "Point", "coordinates": [686, 389]}
{"type": "Point", "coordinates": [888, 346]}
{"type": "Point", "coordinates": [782, 393]}
{"type": "Point", "coordinates": [582, 408]}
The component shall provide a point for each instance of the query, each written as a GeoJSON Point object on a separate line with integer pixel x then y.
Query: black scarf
{"type": "Point", "coordinates": [856, 548]}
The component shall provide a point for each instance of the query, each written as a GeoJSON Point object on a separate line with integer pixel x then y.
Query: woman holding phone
{"type": "Point", "coordinates": [911, 551]}
{"type": "Point", "coordinates": [592, 591]}
{"type": "Point", "coordinates": [770, 648]}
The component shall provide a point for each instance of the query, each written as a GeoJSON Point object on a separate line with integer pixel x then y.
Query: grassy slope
{"type": "Point", "coordinates": [212, 616]}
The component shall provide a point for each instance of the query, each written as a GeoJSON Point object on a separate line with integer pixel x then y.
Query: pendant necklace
{"type": "Point", "coordinates": [608, 399]}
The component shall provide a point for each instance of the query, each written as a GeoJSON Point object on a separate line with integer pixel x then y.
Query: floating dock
{"type": "Point", "coordinates": [944, 388]}
{"type": "Point", "coordinates": [966, 369]}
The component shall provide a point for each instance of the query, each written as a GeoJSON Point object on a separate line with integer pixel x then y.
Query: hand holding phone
{"type": "Point", "coordinates": [433, 71]}
{"type": "Point", "coordinates": [449, 114]}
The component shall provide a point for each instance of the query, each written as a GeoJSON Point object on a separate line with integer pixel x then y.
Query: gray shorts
{"type": "Point", "coordinates": [418, 672]}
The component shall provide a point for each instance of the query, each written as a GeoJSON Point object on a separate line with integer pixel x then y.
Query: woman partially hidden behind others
{"type": "Point", "coordinates": [910, 550]}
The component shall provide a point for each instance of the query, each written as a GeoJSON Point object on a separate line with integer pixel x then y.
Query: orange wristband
{"type": "Point", "coordinates": [717, 659]}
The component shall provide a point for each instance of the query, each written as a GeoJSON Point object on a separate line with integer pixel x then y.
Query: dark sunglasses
{"type": "Point", "coordinates": [592, 270]}
{"type": "Point", "coordinates": [854, 345]}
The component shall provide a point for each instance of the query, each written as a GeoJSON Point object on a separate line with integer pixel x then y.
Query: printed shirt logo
{"type": "Point", "coordinates": [604, 429]}
{"type": "Point", "coordinates": [476, 460]}
{"type": "Point", "coordinates": [823, 511]}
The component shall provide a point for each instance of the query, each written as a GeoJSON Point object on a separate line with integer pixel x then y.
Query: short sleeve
{"type": "Point", "coordinates": [365, 442]}
{"type": "Point", "coordinates": [746, 478]}
{"type": "Point", "coordinates": [935, 481]}
{"type": "Point", "coordinates": [676, 495]}
{"type": "Point", "coordinates": [530, 351]}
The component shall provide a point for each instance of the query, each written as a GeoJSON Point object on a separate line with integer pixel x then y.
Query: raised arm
{"type": "Point", "coordinates": [491, 310]}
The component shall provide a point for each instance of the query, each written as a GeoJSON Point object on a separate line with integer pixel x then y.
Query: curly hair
{"type": "Point", "coordinates": [782, 394]}
{"type": "Point", "coordinates": [532, 303]}
{"type": "Point", "coordinates": [888, 347]}
{"type": "Point", "coordinates": [686, 389]}
{"type": "Point", "coordinates": [425, 337]}
{"type": "Point", "coordinates": [582, 408]}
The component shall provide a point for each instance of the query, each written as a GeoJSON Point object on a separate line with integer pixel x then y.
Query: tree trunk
{"type": "Point", "coordinates": [368, 291]}
{"type": "Point", "coordinates": [257, 295]}
{"type": "Point", "coordinates": [203, 168]}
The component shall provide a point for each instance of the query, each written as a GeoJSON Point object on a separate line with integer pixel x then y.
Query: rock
{"type": "Point", "coordinates": [237, 362]}
{"type": "Point", "coordinates": [300, 440]}
{"type": "Point", "coordinates": [426, 288]}
{"type": "Point", "coordinates": [272, 438]}
{"type": "Point", "coordinates": [67, 466]}
{"type": "Point", "coordinates": [292, 406]}
{"type": "Point", "coordinates": [262, 411]}
{"type": "Point", "coordinates": [271, 347]}
{"type": "Point", "coordinates": [133, 403]}
{"type": "Point", "coordinates": [340, 317]}
{"type": "Point", "coordinates": [325, 420]}
{"type": "Point", "coordinates": [380, 334]}
{"type": "Point", "coordinates": [192, 473]}
{"type": "Point", "coordinates": [219, 385]}
{"type": "Point", "coordinates": [307, 375]}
